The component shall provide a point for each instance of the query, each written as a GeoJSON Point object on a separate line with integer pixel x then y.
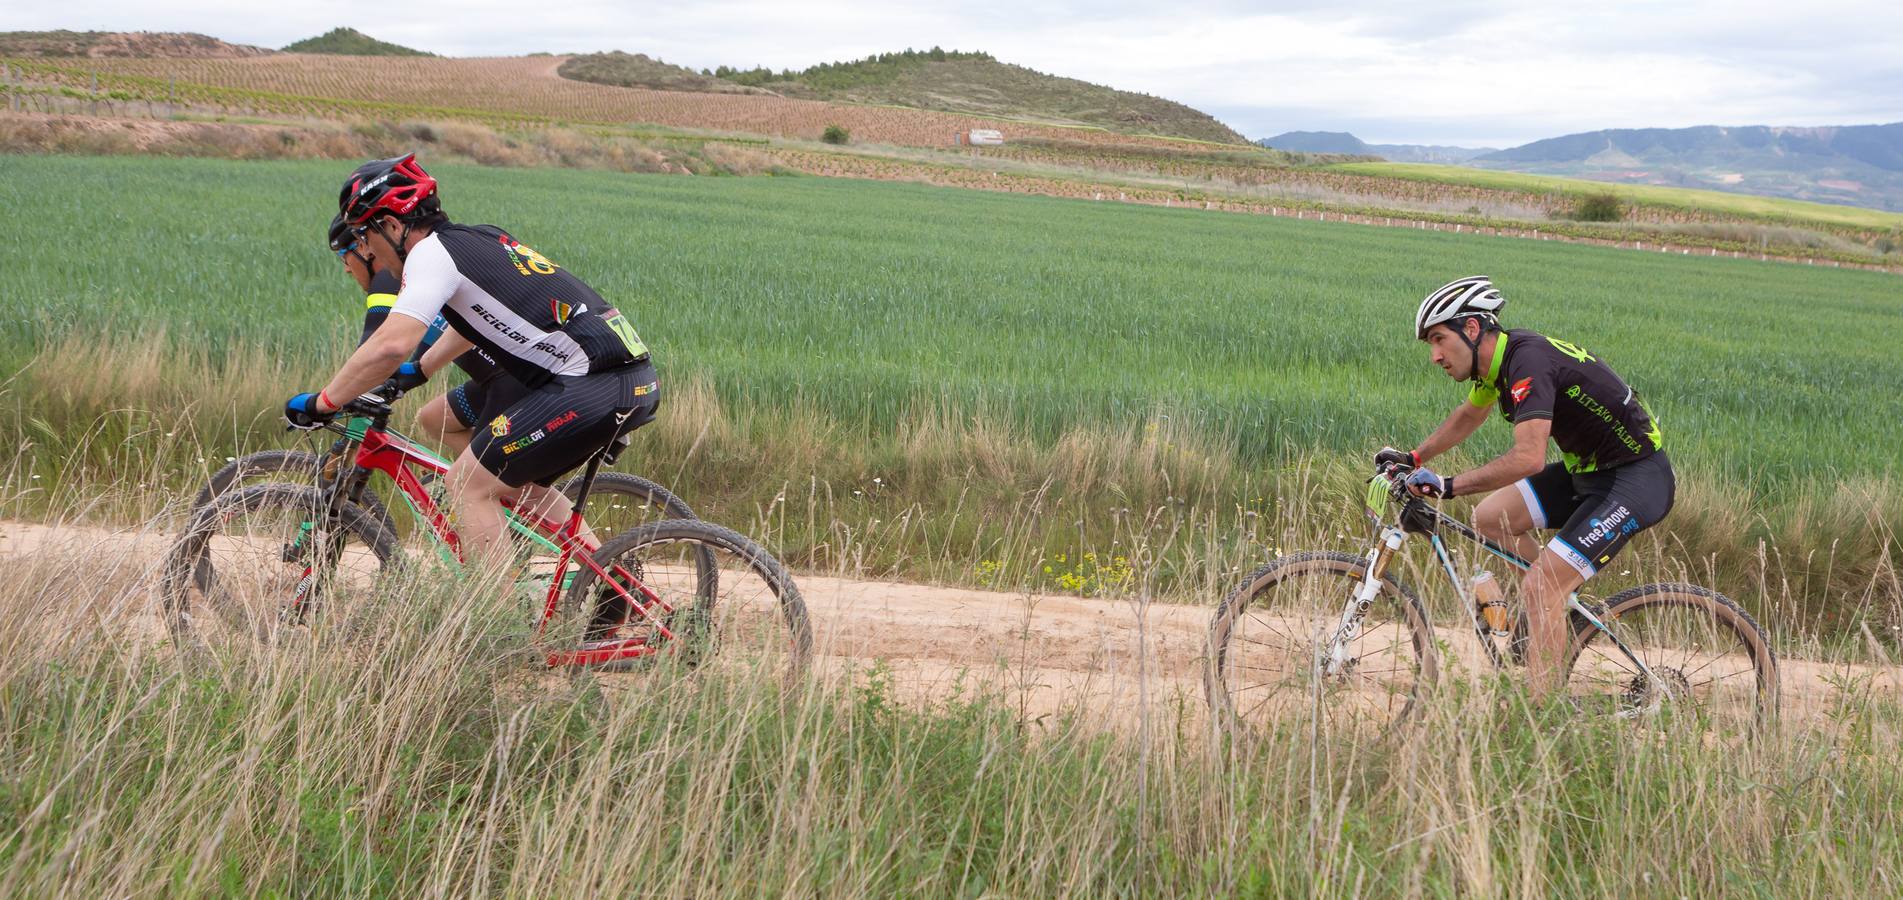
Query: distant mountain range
{"type": "Point", "coordinates": [1344, 143]}
{"type": "Point", "coordinates": [1857, 165]}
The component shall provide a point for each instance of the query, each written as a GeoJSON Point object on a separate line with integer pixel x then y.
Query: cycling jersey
{"type": "Point", "coordinates": [534, 318]}
{"type": "Point", "coordinates": [376, 307]}
{"type": "Point", "coordinates": [1598, 422]}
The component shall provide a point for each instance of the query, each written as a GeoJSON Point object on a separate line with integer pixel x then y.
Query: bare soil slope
{"type": "Point", "coordinates": [122, 44]}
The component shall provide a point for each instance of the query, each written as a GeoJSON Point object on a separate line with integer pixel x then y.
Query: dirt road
{"type": "Point", "coordinates": [1045, 653]}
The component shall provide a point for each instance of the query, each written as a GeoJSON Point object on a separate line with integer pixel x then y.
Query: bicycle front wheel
{"type": "Point", "coordinates": [1278, 653]}
{"type": "Point", "coordinates": [1711, 664]}
{"type": "Point", "coordinates": [696, 587]}
{"type": "Point", "coordinates": [265, 555]}
{"type": "Point", "coordinates": [282, 466]}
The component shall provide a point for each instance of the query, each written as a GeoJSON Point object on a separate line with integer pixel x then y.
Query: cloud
{"type": "Point", "coordinates": [1468, 71]}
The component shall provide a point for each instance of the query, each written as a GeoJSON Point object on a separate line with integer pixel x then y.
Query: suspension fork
{"type": "Point", "coordinates": [1331, 655]}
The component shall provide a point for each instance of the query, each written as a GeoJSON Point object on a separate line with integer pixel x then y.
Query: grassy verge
{"type": "Point", "coordinates": [417, 753]}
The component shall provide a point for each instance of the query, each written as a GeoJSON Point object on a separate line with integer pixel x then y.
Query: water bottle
{"type": "Point", "coordinates": [1492, 603]}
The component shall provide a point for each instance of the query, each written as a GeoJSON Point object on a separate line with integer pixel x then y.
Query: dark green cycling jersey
{"type": "Point", "coordinates": [1598, 422]}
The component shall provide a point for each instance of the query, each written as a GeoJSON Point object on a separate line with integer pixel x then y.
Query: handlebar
{"type": "Point", "coordinates": [376, 405]}
{"type": "Point", "coordinates": [1395, 474]}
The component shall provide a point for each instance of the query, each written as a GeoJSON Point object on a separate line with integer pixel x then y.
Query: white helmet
{"type": "Point", "coordinates": [1474, 295]}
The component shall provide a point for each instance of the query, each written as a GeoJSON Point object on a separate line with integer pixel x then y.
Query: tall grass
{"type": "Point", "coordinates": [417, 750]}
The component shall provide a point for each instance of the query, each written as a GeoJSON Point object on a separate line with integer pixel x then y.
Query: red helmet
{"type": "Point", "coordinates": [397, 186]}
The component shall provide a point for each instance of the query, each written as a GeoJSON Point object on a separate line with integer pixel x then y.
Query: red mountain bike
{"type": "Point", "coordinates": [263, 557]}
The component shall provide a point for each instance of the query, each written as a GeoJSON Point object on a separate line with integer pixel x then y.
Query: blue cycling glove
{"type": "Point", "coordinates": [408, 377]}
{"type": "Point", "coordinates": [302, 412]}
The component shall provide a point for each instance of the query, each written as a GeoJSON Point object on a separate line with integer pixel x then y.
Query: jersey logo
{"type": "Point", "coordinates": [1522, 388]}
{"type": "Point", "coordinates": [526, 261]}
{"type": "Point", "coordinates": [499, 426]}
{"type": "Point", "coordinates": [563, 312]}
{"type": "Point", "coordinates": [1570, 349]}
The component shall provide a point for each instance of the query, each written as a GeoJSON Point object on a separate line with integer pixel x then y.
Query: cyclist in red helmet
{"type": "Point", "coordinates": [449, 419]}
{"type": "Point", "coordinates": [584, 376]}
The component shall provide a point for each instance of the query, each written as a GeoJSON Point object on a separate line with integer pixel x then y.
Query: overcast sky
{"type": "Point", "coordinates": [1469, 72]}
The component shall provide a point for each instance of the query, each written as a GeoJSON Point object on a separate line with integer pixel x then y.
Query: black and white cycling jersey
{"type": "Point", "coordinates": [533, 317]}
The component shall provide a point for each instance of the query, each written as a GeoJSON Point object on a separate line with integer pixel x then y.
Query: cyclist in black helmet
{"type": "Point", "coordinates": [585, 375]}
{"type": "Point", "coordinates": [1613, 479]}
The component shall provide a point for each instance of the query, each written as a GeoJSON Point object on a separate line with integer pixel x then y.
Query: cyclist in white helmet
{"type": "Point", "coordinates": [1613, 479]}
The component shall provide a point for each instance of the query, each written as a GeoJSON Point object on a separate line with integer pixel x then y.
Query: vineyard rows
{"type": "Point", "coordinates": [524, 89]}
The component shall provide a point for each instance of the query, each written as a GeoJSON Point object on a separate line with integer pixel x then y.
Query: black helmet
{"type": "Point", "coordinates": [341, 234]}
{"type": "Point", "coordinates": [397, 186]}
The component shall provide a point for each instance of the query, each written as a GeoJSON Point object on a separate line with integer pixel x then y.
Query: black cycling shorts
{"type": "Point", "coordinates": [1598, 512]}
{"type": "Point", "coordinates": [465, 403]}
{"type": "Point", "coordinates": [556, 427]}
{"type": "Point", "coordinates": [473, 402]}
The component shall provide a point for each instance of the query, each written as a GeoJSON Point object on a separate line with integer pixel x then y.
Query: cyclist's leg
{"type": "Point", "coordinates": [1619, 504]}
{"type": "Point", "coordinates": [476, 497]}
{"type": "Point", "coordinates": [1510, 514]}
{"type": "Point", "coordinates": [1543, 592]}
{"type": "Point", "coordinates": [465, 405]}
{"type": "Point", "coordinates": [438, 423]}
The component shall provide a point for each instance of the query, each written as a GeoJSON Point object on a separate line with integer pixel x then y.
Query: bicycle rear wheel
{"type": "Point", "coordinates": [1268, 635]}
{"type": "Point", "coordinates": [697, 587]}
{"type": "Point", "coordinates": [618, 502]}
{"type": "Point", "coordinates": [264, 555]}
{"type": "Point", "coordinates": [1712, 663]}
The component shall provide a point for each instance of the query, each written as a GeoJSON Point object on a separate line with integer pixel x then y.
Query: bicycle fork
{"type": "Point", "coordinates": [1331, 656]}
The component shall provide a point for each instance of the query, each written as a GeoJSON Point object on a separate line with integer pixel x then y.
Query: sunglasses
{"type": "Point", "coordinates": [352, 247]}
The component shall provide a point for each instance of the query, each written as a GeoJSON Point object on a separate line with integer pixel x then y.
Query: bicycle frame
{"type": "Point", "coordinates": [380, 450]}
{"type": "Point", "coordinates": [1418, 516]}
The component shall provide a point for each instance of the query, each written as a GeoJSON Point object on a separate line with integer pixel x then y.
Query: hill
{"type": "Point", "coordinates": [121, 44]}
{"type": "Point", "coordinates": [1858, 165]}
{"type": "Point", "coordinates": [1344, 143]}
{"type": "Point", "coordinates": [640, 70]}
{"type": "Point", "coordinates": [350, 42]}
{"type": "Point", "coordinates": [977, 84]}
{"type": "Point", "coordinates": [1340, 142]}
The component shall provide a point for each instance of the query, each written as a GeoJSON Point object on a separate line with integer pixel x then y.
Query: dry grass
{"type": "Point", "coordinates": [418, 752]}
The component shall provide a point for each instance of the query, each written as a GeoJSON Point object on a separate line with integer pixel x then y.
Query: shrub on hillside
{"type": "Point", "coordinates": [835, 134]}
{"type": "Point", "coordinates": [1602, 207]}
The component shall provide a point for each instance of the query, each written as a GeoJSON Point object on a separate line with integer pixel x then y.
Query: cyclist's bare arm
{"type": "Point", "coordinates": [376, 359]}
{"type": "Point", "coordinates": [448, 346]}
{"type": "Point", "coordinates": [1527, 457]}
{"type": "Point", "coordinates": [1461, 423]}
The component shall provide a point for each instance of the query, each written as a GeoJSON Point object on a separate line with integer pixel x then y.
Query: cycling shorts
{"type": "Point", "coordinates": [545, 432]}
{"type": "Point", "coordinates": [1598, 512]}
{"type": "Point", "coordinates": [466, 402]}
